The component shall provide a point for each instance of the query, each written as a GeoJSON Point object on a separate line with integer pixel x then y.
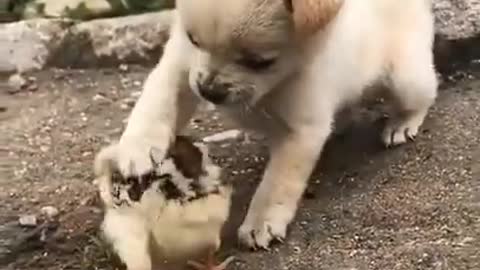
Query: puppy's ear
{"type": "Point", "coordinates": [310, 16]}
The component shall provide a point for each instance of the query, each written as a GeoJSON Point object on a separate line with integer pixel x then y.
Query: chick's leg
{"type": "Point", "coordinates": [211, 263]}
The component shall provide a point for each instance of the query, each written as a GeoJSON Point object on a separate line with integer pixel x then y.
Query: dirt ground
{"type": "Point", "coordinates": [412, 207]}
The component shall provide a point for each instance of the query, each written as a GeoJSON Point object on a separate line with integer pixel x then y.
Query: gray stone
{"type": "Point", "coordinates": [49, 211]}
{"type": "Point", "coordinates": [223, 136]}
{"type": "Point", "coordinates": [457, 19]}
{"type": "Point", "coordinates": [28, 220]}
{"type": "Point", "coordinates": [28, 45]}
{"type": "Point", "coordinates": [129, 39]}
{"type": "Point", "coordinates": [37, 43]}
{"type": "Point", "coordinates": [16, 83]}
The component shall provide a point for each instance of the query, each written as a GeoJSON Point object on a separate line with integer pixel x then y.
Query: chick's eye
{"type": "Point", "coordinates": [192, 39]}
{"type": "Point", "coordinates": [256, 63]}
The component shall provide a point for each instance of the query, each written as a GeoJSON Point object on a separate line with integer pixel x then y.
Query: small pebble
{"type": "Point", "coordinates": [101, 98]}
{"type": "Point", "coordinates": [135, 94]}
{"type": "Point", "coordinates": [123, 67]}
{"type": "Point", "coordinates": [467, 240]}
{"type": "Point", "coordinates": [209, 107]}
{"type": "Point", "coordinates": [223, 136]}
{"type": "Point", "coordinates": [137, 83]}
{"type": "Point", "coordinates": [89, 201]}
{"type": "Point", "coordinates": [32, 87]}
{"type": "Point", "coordinates": [124, 106]}
{"type": "Point", "coordinates": [130, 102]}
{"type": "Point", "coordinates": [49, 211]}
{"type": "Point", "coordinates": [28, 220]}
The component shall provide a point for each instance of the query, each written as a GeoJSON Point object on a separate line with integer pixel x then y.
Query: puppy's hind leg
{"type": "Point", "coordinates": [414, 87]}
{"type": "Point", "coordinates": [129, 237]}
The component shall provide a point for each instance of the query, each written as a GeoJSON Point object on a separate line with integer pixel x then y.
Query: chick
{"type": "Point", "coordinates": [171, 214]}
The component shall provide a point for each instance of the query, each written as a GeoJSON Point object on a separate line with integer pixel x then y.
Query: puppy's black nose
{"type": "Point", "coordinates": [213, 93]}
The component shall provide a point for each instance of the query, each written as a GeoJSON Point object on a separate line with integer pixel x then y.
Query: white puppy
{"type": "Point", "coordinates": [285, 68]}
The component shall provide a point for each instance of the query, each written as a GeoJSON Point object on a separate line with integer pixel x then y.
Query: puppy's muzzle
{"type": "Point", "coordinates": [214, 92]}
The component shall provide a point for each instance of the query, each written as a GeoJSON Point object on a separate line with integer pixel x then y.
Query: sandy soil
{"type": "Point", "coordinates": [412, 207]}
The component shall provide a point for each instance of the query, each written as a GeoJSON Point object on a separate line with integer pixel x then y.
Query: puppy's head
{"type": "Point", "coordinates": [244, 49]}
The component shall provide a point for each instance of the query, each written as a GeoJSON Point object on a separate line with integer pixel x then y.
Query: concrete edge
{"type": "Point", "coordinates": [42, 43]}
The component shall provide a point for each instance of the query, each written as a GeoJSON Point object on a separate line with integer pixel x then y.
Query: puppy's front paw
{"type": "Point", "coordinates": [129, 158]}
{"type": "Point", "coordinates": [262, 231]}
{"type": "Point", "coordinates": [262, 235]}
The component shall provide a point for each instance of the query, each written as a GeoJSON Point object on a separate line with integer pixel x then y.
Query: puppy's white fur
{"type": "Point", "coordinates": [321, 64]}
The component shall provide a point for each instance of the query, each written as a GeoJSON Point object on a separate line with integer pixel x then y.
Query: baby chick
{"type": "Point", "coordinates": [174, 212]}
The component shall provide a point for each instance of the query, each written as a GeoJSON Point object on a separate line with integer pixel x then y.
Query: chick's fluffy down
{"type": "Point", "coordinates": [174, 231]}
{"type": "Point", "coordinates": [159, 228]}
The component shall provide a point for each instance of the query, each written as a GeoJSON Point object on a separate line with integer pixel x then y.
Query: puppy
{"type": "Point", "coordinates": [284, 68]}
{"type": "Point", "coordinates": [174, 213]}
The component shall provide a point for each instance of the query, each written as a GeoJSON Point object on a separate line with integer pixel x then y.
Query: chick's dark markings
{"type": "Point", "coordinates": [187, 159]}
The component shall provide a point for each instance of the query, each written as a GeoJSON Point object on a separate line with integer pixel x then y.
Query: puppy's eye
{"type": "Point", "coordinates": [256, 63]}
{"type": "Point", "coordinates": [192, 39]}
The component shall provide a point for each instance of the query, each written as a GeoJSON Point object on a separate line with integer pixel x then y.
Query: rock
{"type": "Point", "coordinates": [457, 19]}
{"type": "Point", "coordinates": [28, 220]}
{"type": "Point", "coordinates": [123, 67]}
{"type": "Point", "coordinates": [135, 94]}
{"type": "Point", "coordinates": [49, 211]}
{"type": "Point", "coordinates": [101, 99]}
{"type": "Point", "coordinates": [16, 83]}
{"type": "Point", "coordinates": [223, 136]}
{"type": "Point", "coordinates": [109, 42]}
{"type": "Point", "coordinates": [28, 45]}
{"type": "Point", "coordinates": [129, 102]}
{"type": "Point", "coordinates": [38, 43]}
